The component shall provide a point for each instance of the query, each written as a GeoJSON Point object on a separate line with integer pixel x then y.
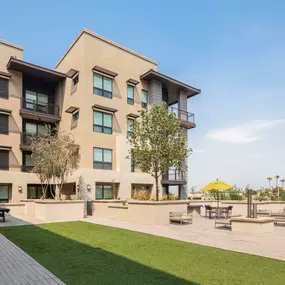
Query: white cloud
{"type": "Point", "coordinates": [244, 133]}
{"type": "Point", "coordinates": [260, 155]}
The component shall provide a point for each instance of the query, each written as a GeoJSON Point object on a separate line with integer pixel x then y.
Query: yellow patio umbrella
{"type": "Point", "coordinates": [217, 186]}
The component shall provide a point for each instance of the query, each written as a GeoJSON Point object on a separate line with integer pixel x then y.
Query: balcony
{"type": "Point", "coordinates": [174, 178]}
{"type": "Point", "coordinates": [187, 119]}
{"type": "Point", "coordinates": [27, 168]}
{"type": "Point", "coordinates": [40, 111]}
{"type": "Point", "coordinates": [26, 140]}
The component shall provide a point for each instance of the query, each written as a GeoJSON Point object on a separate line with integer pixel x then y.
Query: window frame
{"type": "Point", "coordinates": [103, 191]}
{"type": "Point", "coordinates": [102, 90]}
{"type": "Point", "coordinates": [130, 101]}
{"type": "Point", "coordinates": [102, 126]}
{"type": "Point", "coordinates": [5, 132]}
{"type": "Point", "coordinates": [133, 167]}
{"type": "Point", "coordinates": [9, 193]}
{"type": "Point", "coordinates": [102, 162]}
{"type": "Point", "coordinates": [144, 104]}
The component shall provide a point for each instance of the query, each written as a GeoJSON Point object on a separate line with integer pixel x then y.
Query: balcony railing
{"type": "Point", "coordinates": [182, 115]}
{"type": "Point", "coordinates": [27, 168]}
{"type": "Point", "coordinates": [174, 176]}
{"type": "Point", "coordinates": [26, 138]}
{"type": "Point", "coordinates": [39, 107]}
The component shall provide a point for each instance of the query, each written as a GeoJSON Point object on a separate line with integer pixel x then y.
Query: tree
{"type": "Point", "coordinates": [269, 181]}
{"type": "Point", "coordinates": [55, 156]}
{"type": "Point", "coordinates": [158, 142]}
{"type": "Point", "coordinates": [283, 182]}
{"type": "Point", "coordinates": [277, 177]}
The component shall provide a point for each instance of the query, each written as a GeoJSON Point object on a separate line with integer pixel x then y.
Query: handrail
{"type": "Point", "coordinates": [183, 115]}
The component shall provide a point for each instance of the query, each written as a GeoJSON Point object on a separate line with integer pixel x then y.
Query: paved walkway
{"type": "Point", "coordinates": [202, 232]}
{"type": "Point", "coordinates": [18, 268]}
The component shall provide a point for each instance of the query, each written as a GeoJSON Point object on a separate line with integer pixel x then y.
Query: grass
{"type": "Point", "coordinates": [84, 253]}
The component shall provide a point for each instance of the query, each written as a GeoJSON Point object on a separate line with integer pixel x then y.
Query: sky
{"type": "Point", "coordinates": [234, 51]}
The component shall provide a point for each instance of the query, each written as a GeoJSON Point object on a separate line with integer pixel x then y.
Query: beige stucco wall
{"type": "Point", "coordinates": [87, 52]}
{"type": "Point", "coordinates": [145, 212]}
{"type": "Point", "coordinates": [59, 210]}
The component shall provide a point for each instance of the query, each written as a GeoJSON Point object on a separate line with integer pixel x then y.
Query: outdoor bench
{"type": "Point", "coordinates": [180, 217]}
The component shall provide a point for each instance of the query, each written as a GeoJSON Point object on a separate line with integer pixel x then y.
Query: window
{"type": "Point", "coordinates": [75, 116]}
{"type": "Point", "coordinates": [130, 127]}
{"type": "Point", "coordinates": [144, 98]}
{"type": "Point", "coordinates": [103, 191]}
{"type": "Point", "coordinates": [33, 129]}
{"type": "Point", "coordinates": [36, 101]}
{"type": "Point", "coordinates": [102, 158]}
{"type": "Point", "coordinates": [34, 191]}
{"type": "Point", "coordinates": [132, 162]}
{"type": "Point", "coordinates": [75, 79]}
{"type": "Point", "coordinates": [28, 163]}
{"type": "Point", "coordinates": [102, 122]}
{"type": "Point", "coordinates": [131, 91]}
{"type": "Point", "coordinates": [4, 83]}
{"type": "Point", "coordinates": [102, 85]}
{"type": "Point", "coordinates": [4, 124]}
{"type": "Point", "coordinates": [4, 159]}
{"type": "Point", "coordinates": [4, 193]}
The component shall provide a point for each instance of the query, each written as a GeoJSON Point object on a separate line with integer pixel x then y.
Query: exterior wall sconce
{"type": "Point", "coordinates": [88, 187]}
{"type": "Point", "coordinates": [20, 189]}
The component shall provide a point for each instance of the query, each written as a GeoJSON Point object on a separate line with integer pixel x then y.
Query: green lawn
{"type": "Point", "coordinates": [83, 253]}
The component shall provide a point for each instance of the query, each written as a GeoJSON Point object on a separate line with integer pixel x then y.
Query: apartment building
{"type": "Point", "coordinates": [95, 92]}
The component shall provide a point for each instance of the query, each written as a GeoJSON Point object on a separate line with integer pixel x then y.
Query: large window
{"type": "Point", "coordinates": [4, 124]}
{"type": "Point", "coordinates": [102, 85]}
{"type": "Point", "coordinates": [4, 193]}
{"type": "Point", "coordinates": [4, 159]}
{"type": "Point", "coordinates": [33, 129]}
{"type": "Point", "coordinates": [144, 98]}
{"type": "Point", "coordinates": [36, 101]}
{"type": "Point", "coordinates": [103, 191]}
{"type": "Point", "coordinates": [130, 127]}
{"type": "Point", "coordinates": [102, 122]}
{"type": "Point", "coordinates": [131, 93]}
{"type": "Point", "coordinates": [34, 191]}
{"type": "Point", "coordinates": [102, 158]}
{"type": "Point", "coordinates": [4, 83]}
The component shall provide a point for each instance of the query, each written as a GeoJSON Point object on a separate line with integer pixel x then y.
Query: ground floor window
{"type": "Point", "coordinates": [4, 193]}
{"type": "Point", "coordinates": [34, 191]}
{"type": "Point", "coordinates": [104, 191]}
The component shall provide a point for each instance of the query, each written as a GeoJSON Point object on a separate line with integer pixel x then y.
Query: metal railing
{"type": "Point", "coordinates": [174, 176]}
{"type": "Point", "coordinates": [183, 115]}
{"type": "Point", "coordinates": [26, 138]}
{"type": "Point", "coordinates": [39, 107]}
{"type": "Point", "coordinates": [27, 168]}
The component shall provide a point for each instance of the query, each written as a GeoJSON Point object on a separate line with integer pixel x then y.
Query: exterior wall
{"type": "Point", "coordinates": [84, 55]}
{"type": "Point", "coordinates": [155, 92]}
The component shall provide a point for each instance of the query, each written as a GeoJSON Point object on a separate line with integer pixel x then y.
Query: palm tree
{"type": "Point", "coordinates": [283, 182]}
{"type": "Point", "coordinates": [269, 181]}
{"type": "Point", "coordinates": [277, 177]}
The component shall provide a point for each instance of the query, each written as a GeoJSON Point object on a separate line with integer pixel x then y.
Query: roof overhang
{"type": "Point", "coordinates": [4, 147]}
{"type": "Point", "coordinates": [72, 72]}
{"type": "Point", "coordinates": [132, 115]}
{"type": "Point", "coordinates": [104, 108]}
{"type": "Point", "coordinates": [71, 110]}
{"type": "Point", "coordinates": [5, 75]}
{"type": "Point", "coordinates": [104, 71]}
{"type": "Point", "coordinates": [132, 81]}
{"type": "Point", "coordinates": [172, 84]}
{"type": "Point", "coordinates": [5, 111]}
{"type": "Point", "coordinates": [37, 71]}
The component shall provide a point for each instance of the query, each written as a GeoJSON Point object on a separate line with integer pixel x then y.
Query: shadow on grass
{"type": "Point", "coordinates": [78, 263]}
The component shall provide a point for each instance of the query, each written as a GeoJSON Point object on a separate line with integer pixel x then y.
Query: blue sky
{"type": "Point", "coordinates": [233, 50]}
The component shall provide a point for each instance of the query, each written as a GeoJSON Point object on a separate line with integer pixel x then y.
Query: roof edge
{"type": "Point", "coordinates": [11, 45]}
{"type": "Point", "coordinates": [84, 30]}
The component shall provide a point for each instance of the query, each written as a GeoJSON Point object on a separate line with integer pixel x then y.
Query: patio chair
{"type": "Point", "coordinates": [228, 212]}
{"type": "Point", "coordinates": [209, 211]}
{"type": "Point", "coordinates": [180, 217]}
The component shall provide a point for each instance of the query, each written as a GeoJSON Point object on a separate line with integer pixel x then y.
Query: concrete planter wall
{"type": "Point", "coordinates": [16, 209]}
{"type": "Point", "coordinates": [145, 212]}
{"type": "Point", "coordinates": [29, 207]}
{"type": "Point", "coordinates": [51, 211]}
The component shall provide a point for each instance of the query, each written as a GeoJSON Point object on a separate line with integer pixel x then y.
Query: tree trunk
{"type": "Point", "coordinates": [156, 185]}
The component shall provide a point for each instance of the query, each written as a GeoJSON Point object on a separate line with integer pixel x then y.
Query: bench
{"type": "Point", "coordinates": [224, 222]}
{"type": "Point", "coordinates": [180, 217]}
{"type": "Point", "coordinates": [2, 213]}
